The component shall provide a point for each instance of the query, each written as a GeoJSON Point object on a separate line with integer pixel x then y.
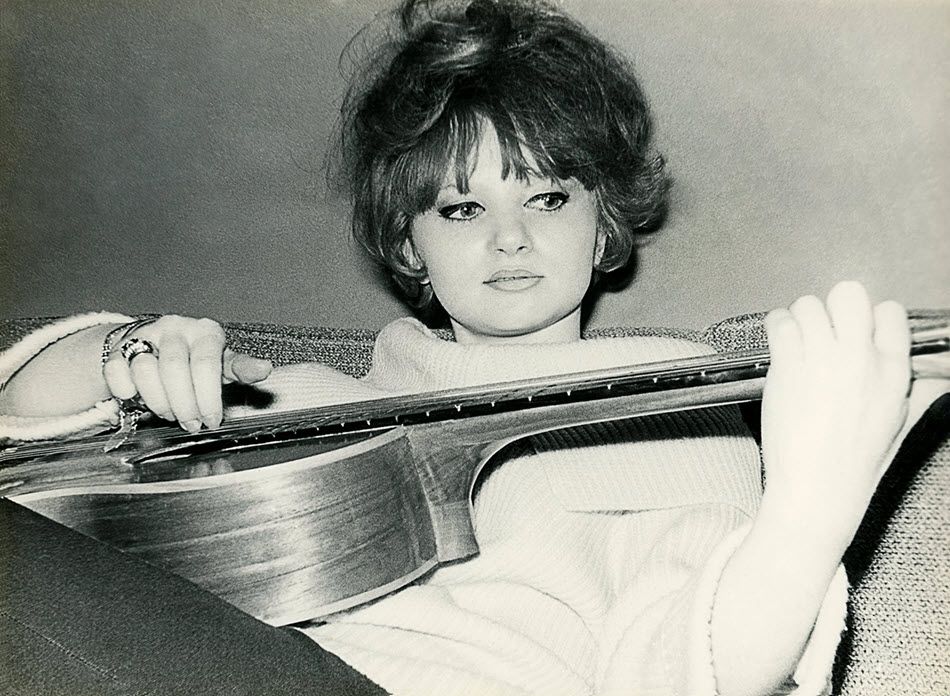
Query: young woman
{"type": "Point", "coordinates": [500, 163]}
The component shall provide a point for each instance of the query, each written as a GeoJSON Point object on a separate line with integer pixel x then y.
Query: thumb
{"type": "Point", "coordinates": [238, 367]}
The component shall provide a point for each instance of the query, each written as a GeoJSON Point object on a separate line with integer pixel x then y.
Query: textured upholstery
{"type": "Point", "coordinates": [351, 350]}
{"type": "Point", "coordinates": [899, 564]}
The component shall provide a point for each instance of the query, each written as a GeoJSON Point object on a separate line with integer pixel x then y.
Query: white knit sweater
{"type": "Point", "coordinates": [600, 546]}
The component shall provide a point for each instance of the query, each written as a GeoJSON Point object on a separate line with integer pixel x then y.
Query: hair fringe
{"type": "Point", "coordinates": [435, 72]}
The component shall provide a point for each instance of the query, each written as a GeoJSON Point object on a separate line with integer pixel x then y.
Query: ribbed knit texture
{"type": "Point", "coordinates": [601, 546]}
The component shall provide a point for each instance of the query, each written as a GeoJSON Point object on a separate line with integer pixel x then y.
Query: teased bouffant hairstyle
{"type": "Point", "coordinates": [546, 85]}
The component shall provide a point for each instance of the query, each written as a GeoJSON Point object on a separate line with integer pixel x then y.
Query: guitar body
{"type": "Point", "coordinates": [298, 525]}
{"type": "Point", "coordinates": [285, 542]}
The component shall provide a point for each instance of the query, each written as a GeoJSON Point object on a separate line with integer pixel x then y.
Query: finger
{"type": "Point", "coordinates": [850, 310]}
{"type": "Point", "coordinates": [118, 377]}
{"type": "Point", "coordinates": [784, 337]}
{"type": "Point", "coordinates": [892, 340]}
{"type": "Point", "coordinates": [813, 323]}
{"type": "Point", "coordinates": [206, 372]}
{"type": "Point", "coordinates": [891, 329]}
{"type": "Point", "coordinates": [248, 370]}
{"type": "Point", "coordinates": [227, 371]}
{"type": "Point", "coordinates": [148, 383]}
{"type": "Point", "coordinates": [239, 367]}
{"type": "Point", "coordinates": [175, 373]}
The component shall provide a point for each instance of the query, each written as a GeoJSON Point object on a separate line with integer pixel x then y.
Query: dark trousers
{"type": "Point", "coordinates": [79, 618]}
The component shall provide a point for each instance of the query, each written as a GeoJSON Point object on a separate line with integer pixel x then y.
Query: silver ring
{"type": "Point", "coordinates": [132, 404]}
{"type": "Point", "coordinates": [135, 347]}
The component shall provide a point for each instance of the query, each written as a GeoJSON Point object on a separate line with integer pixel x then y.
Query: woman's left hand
{"type": "Point", "coordinates": [836, 401]}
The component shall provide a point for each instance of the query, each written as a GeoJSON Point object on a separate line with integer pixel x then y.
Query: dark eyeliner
{"type": "Point", "coordinates": [447, 211]}
{"type": "Point", "coordinates": [562, 196]}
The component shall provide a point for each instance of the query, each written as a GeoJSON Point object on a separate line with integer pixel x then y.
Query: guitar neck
{"type": "Point", "coordinates": [677, 384]}
{"type": "Point", "coordinates": [705, 376]}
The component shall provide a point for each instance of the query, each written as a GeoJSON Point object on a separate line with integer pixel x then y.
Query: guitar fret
{"type": "Point", "coordinates": [929, 337]}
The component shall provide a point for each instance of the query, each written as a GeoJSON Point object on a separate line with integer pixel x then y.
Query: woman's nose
{"type": "Point", "coordinates": [511, 235]}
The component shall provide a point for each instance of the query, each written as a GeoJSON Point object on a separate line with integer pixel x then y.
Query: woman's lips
{"type": "Point", "coordinates": [513, 279]}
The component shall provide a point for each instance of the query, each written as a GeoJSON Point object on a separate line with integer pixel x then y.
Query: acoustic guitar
{"type": "Point", "coordinates": [297, 515]}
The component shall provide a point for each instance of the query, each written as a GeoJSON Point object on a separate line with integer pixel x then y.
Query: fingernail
{"type": "Point", "coordinates": [213, 420]}
{"type": "Point", "coordinates": [191, 425]}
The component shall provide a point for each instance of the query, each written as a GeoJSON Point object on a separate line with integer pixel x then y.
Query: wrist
{"type": "Point", "coordinates": [119, 333]}
{"type": "Point", "coordinates": [806, 522]}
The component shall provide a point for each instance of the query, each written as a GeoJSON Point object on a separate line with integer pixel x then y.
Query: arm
{"type": "Point", "coordinates": [835, 409]}
{"type": "Point", "coordinates": [63, 378]}
{"type": "Point", "coordinates": [181, 381]}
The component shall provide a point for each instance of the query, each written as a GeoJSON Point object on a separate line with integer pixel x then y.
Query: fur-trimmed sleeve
{"type": "Point", "coordinates": [673, 637]}
{"type": "Point", "coordinates": [812, 675]}
{"type": "Point", "coordinates": [101, 416]}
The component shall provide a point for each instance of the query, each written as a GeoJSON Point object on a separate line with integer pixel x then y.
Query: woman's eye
{"type": "Point", "coordinates": [461, 211]}
{"type": "Point", "coordinates": [552, 200]}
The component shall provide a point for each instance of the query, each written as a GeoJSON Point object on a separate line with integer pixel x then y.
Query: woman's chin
{"type": "Point", "coordinates": [514, 329]}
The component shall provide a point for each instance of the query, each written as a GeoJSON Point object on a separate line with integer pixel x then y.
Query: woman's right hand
{"type": "Point", "coordinates": [182, 379]}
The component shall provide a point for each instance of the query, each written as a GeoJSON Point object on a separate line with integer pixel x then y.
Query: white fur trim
{"type": "Point", "coordinates": [702, 674]}
{"type": "Point", "coordinates": [812, 676]}
{"type": "Point", "coordinates": [23, 428]}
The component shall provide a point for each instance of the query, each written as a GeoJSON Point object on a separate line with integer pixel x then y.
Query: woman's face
{"type": "Point", "coordinates": [510, 260]}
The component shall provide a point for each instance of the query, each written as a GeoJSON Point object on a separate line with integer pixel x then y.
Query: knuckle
{"type": "Point", "coordinates": [846, 292]}
{"type": "Point", "coordinates": [211, 328]}
{"type": "Point", "coordinates": [167, 320]}
{"type": "Point", "coordinates": [209, 324]}
{"type": "Point", "coordinates": [847, 286]}
{"type": "Point", "coordinates": [806, 302]}
{"type": "Point", "coordinates": [777, 316]}
{"type": "Point", "coordinates": [779, 322]}
{"type": "Point", "coordinates": [891, 308]}
{"type": "Point", "coordinates": [160, 329]}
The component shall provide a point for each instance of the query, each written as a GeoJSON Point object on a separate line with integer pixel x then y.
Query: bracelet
{"type": "Point", "coordinates": [130, 410]}
{"type": "Point", "coordinates": [108, 345]}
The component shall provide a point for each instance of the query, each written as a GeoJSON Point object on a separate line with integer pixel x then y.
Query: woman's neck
{"type": "Point", "coordinates": [565, 330]}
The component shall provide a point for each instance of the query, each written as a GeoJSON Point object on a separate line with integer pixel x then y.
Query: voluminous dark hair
{"type": "Point", "coordinates": [548, 87]}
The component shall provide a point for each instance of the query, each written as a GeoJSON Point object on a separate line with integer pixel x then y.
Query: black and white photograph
{"type": "Point", "coordinates": [475, 347]}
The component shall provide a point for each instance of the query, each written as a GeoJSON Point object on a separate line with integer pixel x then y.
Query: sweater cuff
{"type": "Point", "coordinates": [99, 417]}
{"type": "Point", "coordinates": [812, 675]}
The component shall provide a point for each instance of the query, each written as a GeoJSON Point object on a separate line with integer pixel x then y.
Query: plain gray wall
{"type": "Point", "coordinates": [169, 156]}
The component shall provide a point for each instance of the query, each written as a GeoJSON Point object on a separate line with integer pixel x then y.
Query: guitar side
{"type": "Point", "coordinates": [312, 535]}
{"type": "Point", "coordinates": [285, 543]}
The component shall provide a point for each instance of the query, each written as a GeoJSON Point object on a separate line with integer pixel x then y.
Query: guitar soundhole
{"type": "Point", "coordinates": [215, 457]}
